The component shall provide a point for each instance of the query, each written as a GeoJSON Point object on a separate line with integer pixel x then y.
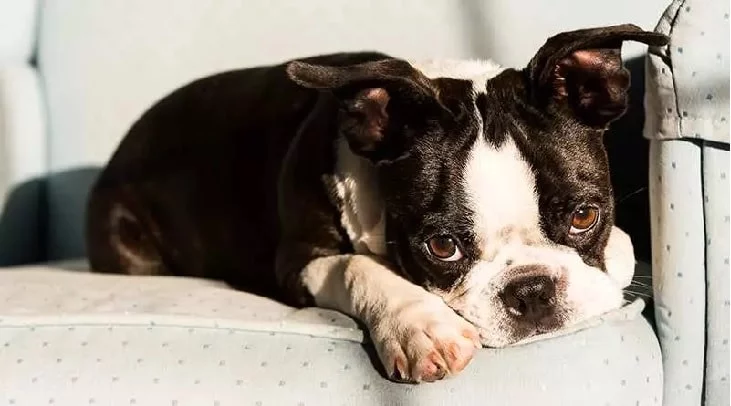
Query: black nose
{"type": "Point", "coordinates": [529, 298]}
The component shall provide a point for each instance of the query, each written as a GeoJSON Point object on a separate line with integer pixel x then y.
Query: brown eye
{"type": "Point", "coordinates": [444, 247]}
{"type": "Point", "coordinates": [583, 219]}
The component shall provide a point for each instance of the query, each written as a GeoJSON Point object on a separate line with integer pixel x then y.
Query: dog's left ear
{"type": "Point", "coordinates": [376, 98]}
{"type": "Point", "coordinates": [581, 73]}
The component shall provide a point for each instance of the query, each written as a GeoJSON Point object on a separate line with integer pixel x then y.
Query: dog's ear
{"type": "Point", "coordinates": [581, 73]}
{"type": "Point", "coordinates": [369, 94]}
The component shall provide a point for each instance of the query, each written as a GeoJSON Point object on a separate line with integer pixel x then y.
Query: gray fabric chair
{"type": "Point", "coordinates": [75, 74]}
{"type": "Point", "coordinates": [687, 101]}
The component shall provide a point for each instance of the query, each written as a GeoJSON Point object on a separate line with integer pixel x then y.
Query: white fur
{"type": "Point", "coordinates": [414, 331]}
{"type": "Point", "coordinates": [501, 190]}
{"type": "Point", "coordinates": [410, 325]}
{"type": "Point", "coordinates": [355, 178]}
{"type": "Point", "coordinates": [502, 194]}
{"type": "Point", "coordinates": [619, 257]}
{"type": "Point", "coordinates": [589, 292]}
{"type": "Point", "coordinates": [362, 211]}
{"type": "Point", "coordinates": [478, 71]}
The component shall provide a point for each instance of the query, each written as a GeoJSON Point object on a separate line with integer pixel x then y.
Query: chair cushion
{"type": "Point", "coordinates": [69, 337]}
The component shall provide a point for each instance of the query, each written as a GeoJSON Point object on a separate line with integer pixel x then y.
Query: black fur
{"type": "Point", "coordinates": [230, 177]}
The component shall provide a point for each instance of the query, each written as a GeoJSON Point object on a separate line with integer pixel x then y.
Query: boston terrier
{"type": "Point", "coordinates": [446, 205]}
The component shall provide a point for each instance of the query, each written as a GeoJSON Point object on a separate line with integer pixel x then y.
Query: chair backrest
{"type": "Point", "coordinates": [102, 63]}
{"type": "Point", "coordinates": [22, 136]}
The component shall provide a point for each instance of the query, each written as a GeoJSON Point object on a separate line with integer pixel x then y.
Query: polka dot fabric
{"type": "Point", "coordinates": [678, 266]}
{"type": "Point", "coordinates": [687, 107]}
{"type": "Point", "coordinates": [688, 98]}
{"type": "Point", "coordinates": [74, 338]}
{"type": "Point", "coordinates": [716, 209]}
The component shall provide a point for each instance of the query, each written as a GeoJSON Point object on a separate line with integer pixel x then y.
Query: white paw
{"type": "Point", "coordinates": [423, 340]}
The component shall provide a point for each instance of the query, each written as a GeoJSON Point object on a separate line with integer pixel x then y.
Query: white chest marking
{"type": "Point", "coordinates": [362, 213]}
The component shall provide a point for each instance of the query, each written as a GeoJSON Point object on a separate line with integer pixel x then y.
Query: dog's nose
{"type": "Point", "coordinates": [530, 298]}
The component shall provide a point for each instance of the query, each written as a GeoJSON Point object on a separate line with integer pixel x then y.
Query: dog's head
{"type": "Point", "coordinates": [495, 181]}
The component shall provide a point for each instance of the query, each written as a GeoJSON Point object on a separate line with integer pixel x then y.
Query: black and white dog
{"type": "Point", "coordinates": [446, 205]}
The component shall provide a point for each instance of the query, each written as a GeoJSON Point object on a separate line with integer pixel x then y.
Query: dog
{"type": "Point", "coordinates": [446, 205]}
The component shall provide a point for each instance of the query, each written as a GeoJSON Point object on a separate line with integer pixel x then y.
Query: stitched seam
{"type": "Point", "coordinates": [705, 273]}
{"type": "Point", "coordinates": [670, 59]}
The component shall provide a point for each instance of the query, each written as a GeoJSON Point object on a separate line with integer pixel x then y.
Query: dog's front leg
{"type": "Point", "coordinates": [417, 336]}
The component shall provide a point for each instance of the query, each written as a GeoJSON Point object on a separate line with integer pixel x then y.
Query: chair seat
{"type": "Point", "coordinates": [70, 337]}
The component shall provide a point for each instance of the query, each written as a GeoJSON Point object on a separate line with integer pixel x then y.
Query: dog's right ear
{"type": "Point", "coordinates": [369, 94]}
{"type": "Point", "coordinates": [580, 72]}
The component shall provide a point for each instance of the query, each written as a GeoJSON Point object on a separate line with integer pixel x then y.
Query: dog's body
{"type": "Point", "coordinates": [415, 197]}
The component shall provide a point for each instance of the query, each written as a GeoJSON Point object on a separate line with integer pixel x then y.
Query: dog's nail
{"type": "Point", "coordinates": [436, 366]}
{"type": "Point", "coordinates": [398, 372]}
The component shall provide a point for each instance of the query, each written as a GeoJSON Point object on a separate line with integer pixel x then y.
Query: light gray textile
{"type": "Point", "coordinates": [676, 197]}
{"type": "Point", "coordinates": [687, 102]}
{"type": "Point", "coordinates": [17, 30]}
{"type": "Point", "coordinates": [102, 63]}
{"type": "Point", "coordinates": [716, 212]}
{"type": "Point", "coordinates": [22, 162]}
{"type": "Point", "coordinates": [22, 135]}
{"type": "Point", "coordinates": [688, 95]}
{"type": "Point", "coordinates": [73, 338]}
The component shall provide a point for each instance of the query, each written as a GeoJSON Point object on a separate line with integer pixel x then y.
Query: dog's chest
{"type": "Point", "coordinates": [362, 214]}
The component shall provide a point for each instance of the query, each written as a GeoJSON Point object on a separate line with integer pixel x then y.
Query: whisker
{"type": "Point", "coordinates": [641, 291]}
{"type": "Point", "coordinates": [639, 284]}
{"type": "Point", "coordinates": [635, 297]}
{"type": "Point", "coordinates": [633, 291]}
{"type": "Point", "coordinates": [640, 294]}
{"type": "Point", "coordinates": [627, 196]}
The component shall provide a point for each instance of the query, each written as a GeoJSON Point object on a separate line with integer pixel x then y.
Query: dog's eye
{"type": "Point", "coordinates": [583, 219]}
{"type": "Point", "coordinates": [444, 247]}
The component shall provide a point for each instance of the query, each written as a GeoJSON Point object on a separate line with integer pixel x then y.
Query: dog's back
{"type": "Point", "coordinates": [192, 188]}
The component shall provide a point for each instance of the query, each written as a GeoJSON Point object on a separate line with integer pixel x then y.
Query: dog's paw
{"type": "Point", "coordinates": [424, 341]}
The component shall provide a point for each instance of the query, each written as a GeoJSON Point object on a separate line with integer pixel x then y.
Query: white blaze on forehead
{"type": "Point", "coordinates": [500, 188]}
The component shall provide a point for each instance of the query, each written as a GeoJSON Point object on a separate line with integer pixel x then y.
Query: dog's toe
{"type": "Point", "coordinates": [425, 343]}
{"type": "Point", "coordinates": [431, 368]}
